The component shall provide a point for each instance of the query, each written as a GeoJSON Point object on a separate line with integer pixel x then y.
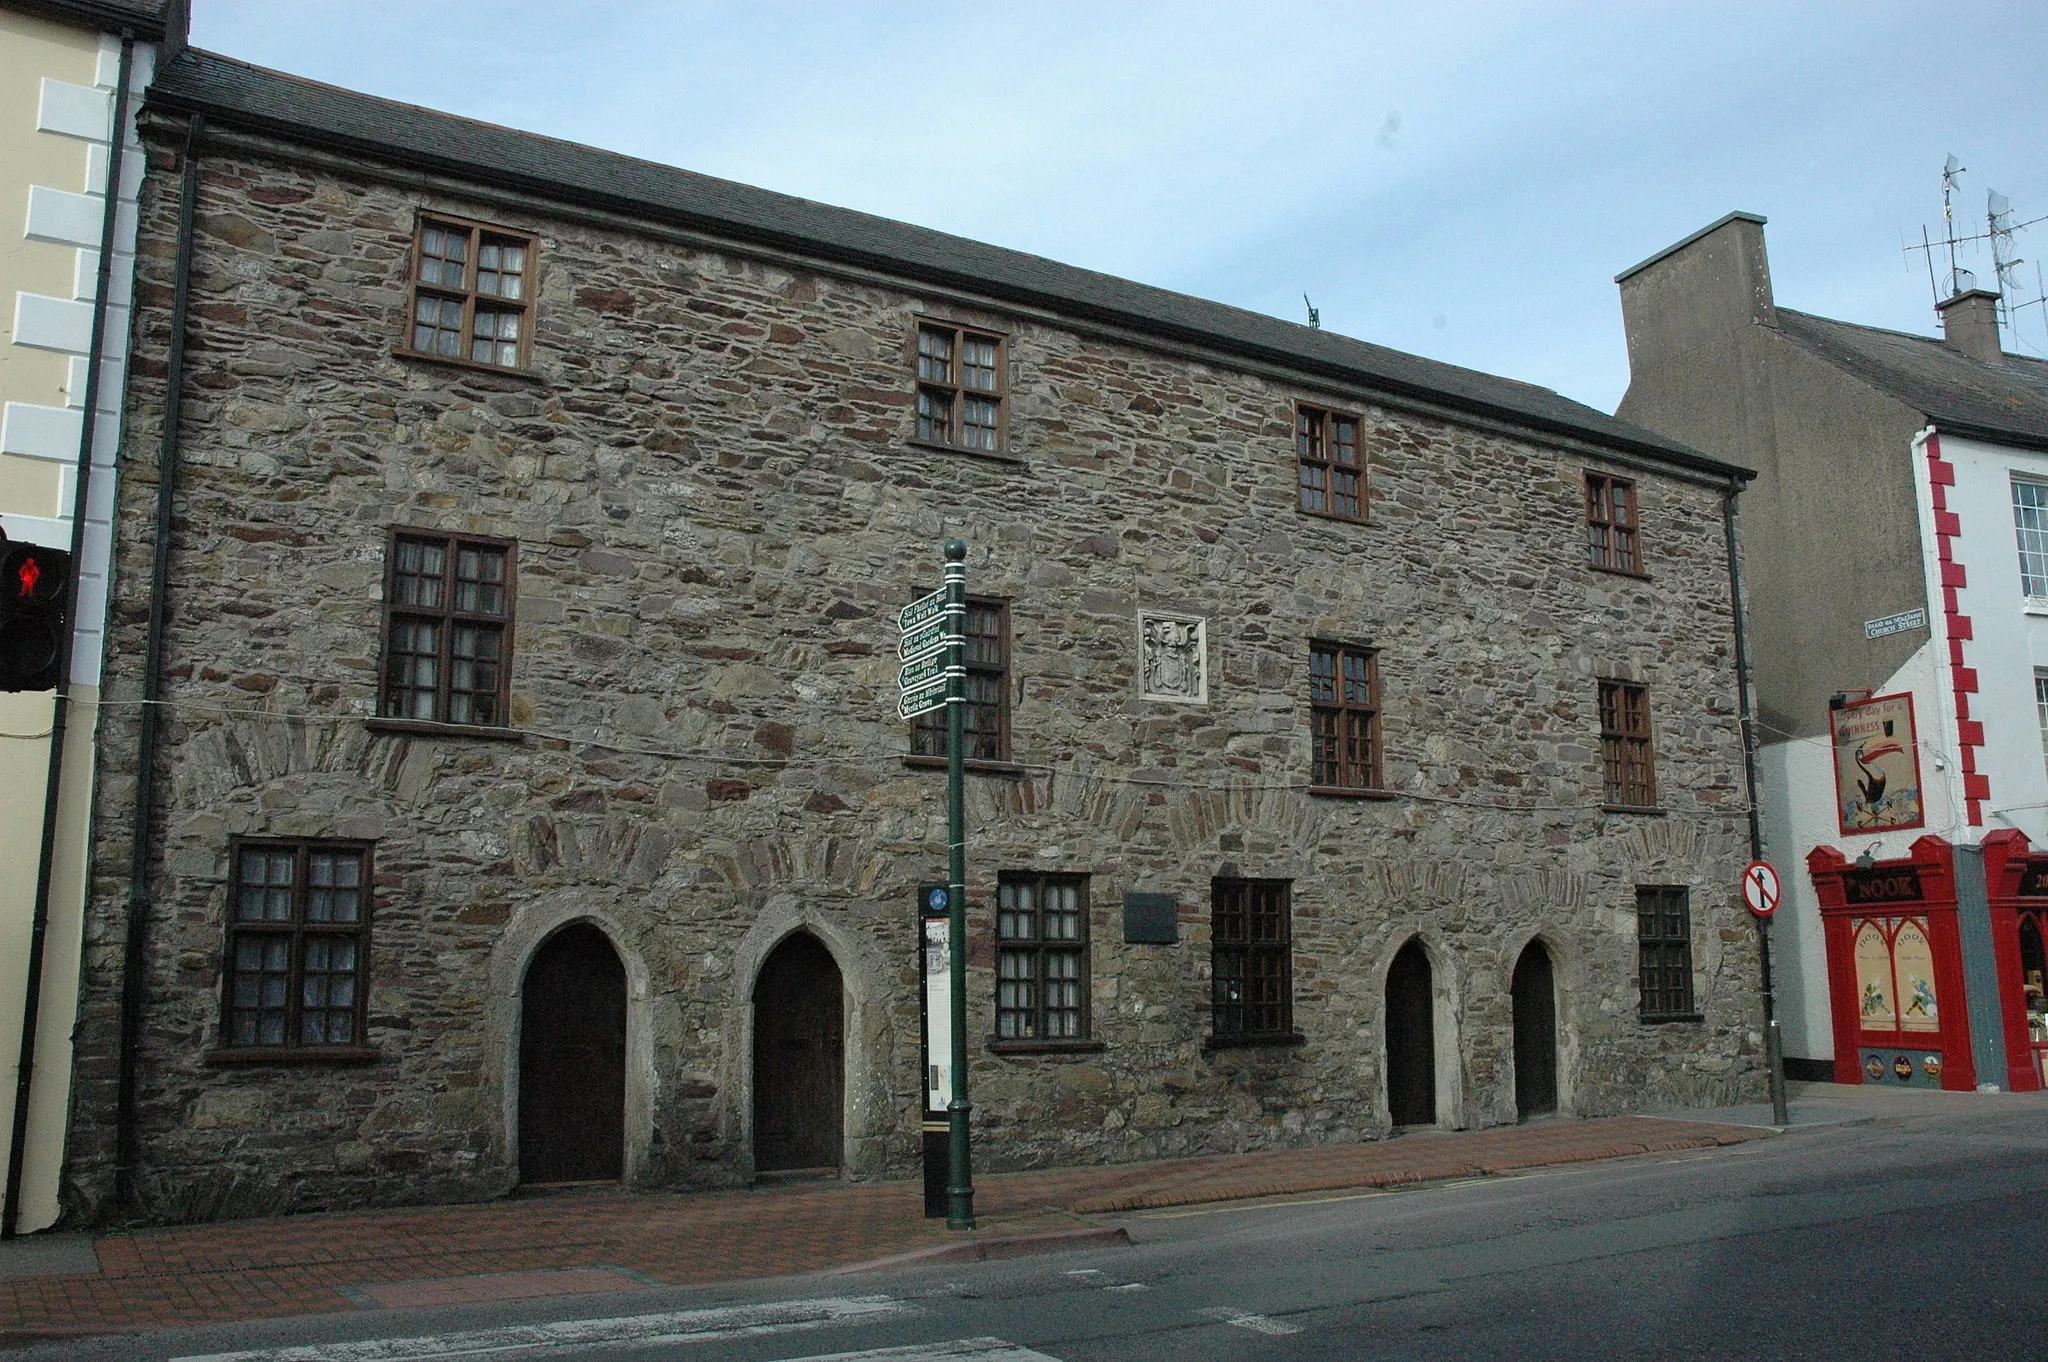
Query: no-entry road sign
{"type": "Point", "coordinates": [1760, 888]}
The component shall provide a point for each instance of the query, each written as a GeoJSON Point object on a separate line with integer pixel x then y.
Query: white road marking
{"type": "Point", "coordinates": [1084, 1272]}
{"type": "Point", "coordinates": [1232, 1208]}
{"type": "Point", "coordinates": [586, 1335]}
{"type": "Point", "coordinates": [1262, 1324]}
{"type": "Point", "coordinates": [1128, 1286]}
{"type": "Point", "coordinates": [978, 1349]}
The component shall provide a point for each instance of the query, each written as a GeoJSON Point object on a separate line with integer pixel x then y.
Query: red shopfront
{"type": "Point", "coordinates": [2016, 878]}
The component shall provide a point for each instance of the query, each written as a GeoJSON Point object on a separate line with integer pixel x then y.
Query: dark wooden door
{"type": "Point", "coordinates": [799, 1058]}
{"type": "Point", "coordinates": [1535, 997]}
{"type": "Point", "coordinates": [1411, 1039]}
{"type": "Point", "coordinates": [572, 1060]}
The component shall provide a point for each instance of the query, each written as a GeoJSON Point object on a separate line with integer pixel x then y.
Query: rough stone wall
{"type": "Point", "coordinates": [717, 513]}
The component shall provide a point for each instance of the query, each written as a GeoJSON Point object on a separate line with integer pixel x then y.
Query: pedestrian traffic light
{"type": "Point", "coordinates": [35, 590]}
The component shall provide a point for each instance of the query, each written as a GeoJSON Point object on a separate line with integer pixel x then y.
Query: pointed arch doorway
{"type": "Point", "coordinates": [572, 1060]}
{"type": "Point", "coordinates": [1411, 1038]}
{"type": "Point", "coordinates": [799, 1058]}
{"type": "Point", "coordinates": [1535, 1004]}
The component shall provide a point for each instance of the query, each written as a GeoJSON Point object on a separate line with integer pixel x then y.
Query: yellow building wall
{"type": "Point", "coordinates": [31, 49]}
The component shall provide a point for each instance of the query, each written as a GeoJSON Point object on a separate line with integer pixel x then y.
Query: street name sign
{"type": "Point", "coordinates": [917, 674]}
{"type": "Point", "coordinates": [926, 638]}
{"type": "Point", "coordinates": [1760, 888]}
{"type": "Point", "coordinates": [922, 611]}
{"type": "Point", "coordinates": [915, 702]}
{"type": "Point", "coordinates": [1916, 618]}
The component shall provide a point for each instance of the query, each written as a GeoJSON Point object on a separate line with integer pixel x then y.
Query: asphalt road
{"type": "Point", "coordinates": [1921, 1234]}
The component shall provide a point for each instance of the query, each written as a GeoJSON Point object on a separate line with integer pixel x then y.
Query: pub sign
{"type": "Point", "coordinates": [1877, 765]}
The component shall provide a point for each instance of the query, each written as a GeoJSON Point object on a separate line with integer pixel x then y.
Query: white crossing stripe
{"type": "Point", "coordinates": [585, 1335]}
{"type": "Point", "coordinates": [976, 1349]}
{"type": "Point", "coordinates": [1262, 1324]}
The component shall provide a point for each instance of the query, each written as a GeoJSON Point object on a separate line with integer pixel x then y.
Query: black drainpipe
{"type": "Point", "coordinates": [39, 928]}
{"type": "Point", "coordinates": [132, 982]}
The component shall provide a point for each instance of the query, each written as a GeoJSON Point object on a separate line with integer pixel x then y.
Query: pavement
{"type": "Point", "coordinates": [608, 1241]}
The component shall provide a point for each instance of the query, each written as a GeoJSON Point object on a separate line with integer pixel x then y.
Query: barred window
{"type": "Point", "coordinates": [2030, 524]}
{"type": "Point", "coordinates": [298, 938]}
{"type": "Point", "coordinates": [471, 294]}
{"type": "Point", "coordinates": [1042, 957]}
{"type": "Point", "coordinates": [1611, 524]}
{"type": "Point", "coordinates": [1664, 950]}
{"type": "Point", "coordinates": [985, 724]}
{"type": "Point", "coordinates": [1327, 459]}
{"type": "Point", "coordinates": [447, 628]}
{"type": "Point", "coordinates": [1628, 765]}
{"type": "Point", "coordinates": [960, 388]}
{"type": "Point", "coordinates": [1344, 716]}
{"type": "Point", "coordinates": [1251, 957]}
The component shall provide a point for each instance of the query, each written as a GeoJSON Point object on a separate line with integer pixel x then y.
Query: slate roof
{"type": "Point", "coordinates": [145, 18]}
{"type": "Point", "coordinates": [249, 97]}
{"type": "Point", "coordinates": [2004, 403]}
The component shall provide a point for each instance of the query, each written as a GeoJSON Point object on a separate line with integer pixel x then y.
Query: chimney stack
{"type": "Point", "coordinates": [1969, 323]}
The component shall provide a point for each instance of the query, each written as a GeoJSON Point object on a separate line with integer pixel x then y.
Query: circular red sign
{"type": "Point", "coordinates": [1760, 888]}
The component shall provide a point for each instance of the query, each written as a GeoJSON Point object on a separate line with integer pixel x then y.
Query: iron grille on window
{"type": "Point", "coordinates": [1611, 524]}
{"type": "Point", "coordinates": [2030, 525]}
{"type": "Point", "coordinates": [1344, 716]}
{"type": "Point", "coordinates": [959, 388]}
{"type": "Point", "coordinates": [472, 294]}
{"type": "Point", "coordinates": [985, 724]}
{"type": "Point", "coordinates": [1042, 957]}
{"type": "Point", "coordinates": [1251, 959]}
{"type": "Point", "coordinates": [1326, 450]}
{"type": "Point", "coordinates": [297, 939]}
{"type": "Point", "coordinates": [1664, 948]}
{"type": "Point", "coordinates": [447, 617]}
{"type": "Point", "coordinates": [1629, 774]}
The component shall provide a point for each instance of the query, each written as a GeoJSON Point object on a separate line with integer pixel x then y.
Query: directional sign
{"type": "Point", "coordinates": [922, 611]}
{"type": "Point", "coordinates": [926, 638]}
{"type": "Point", "coordinates": [925, 670]}
{"type": "Point", "coordinates": [1760, 888]}
{"type": "Point", "coordinates": [916, 702]}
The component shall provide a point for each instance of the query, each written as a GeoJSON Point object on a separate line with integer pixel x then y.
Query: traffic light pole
{"type": "Point", "coordinates": [960, 1170]}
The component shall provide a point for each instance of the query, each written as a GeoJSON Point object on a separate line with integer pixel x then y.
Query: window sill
{"type": "Point", "coordinates": [1629, 573]}
{"type": "Point", "coordinates": [991, 455]}
{"type": "Point", "coordinates": [1045, 1047]}
{"type": "Point", "coordinates": [1647, 810]}
{"type": "Point", "coordinates": [1014, 770]}
{"type": "Point", "coordinates": [426, 728]}
{"type": "Point", "coordinates": [1663, 1019]}
{"type": "Point", "coordinates": [285, 1056]}
{"type": "Point", "coordinates": [2035, 605]}
{"type": "Point", "coordinates": [1350, 792]}
{"type": "Point", "coordinates": [1251, 1042]}
{"type": "Point", "coordinates": [474, 366]}
{"type": "Point", "coordinates": [1332, 515]}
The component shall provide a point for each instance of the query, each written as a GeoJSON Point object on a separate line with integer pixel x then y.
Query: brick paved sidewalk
{"type": "Point", "coordinates": [608, 1241]}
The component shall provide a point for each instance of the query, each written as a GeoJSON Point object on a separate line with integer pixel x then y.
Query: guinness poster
{"type": "Point", "coordinates": [1877, 765]}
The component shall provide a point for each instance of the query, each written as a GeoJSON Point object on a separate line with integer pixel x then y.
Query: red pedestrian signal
{"type": "Point", "coordinates": [35, 591]}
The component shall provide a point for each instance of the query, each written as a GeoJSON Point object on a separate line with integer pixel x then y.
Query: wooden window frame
{"type": "Point", "coordinates": [468, 296]}
{"type": "Point", "coordinates": [1240, 954]}
{"type": "Point", "coordinates": [297, 930]}
{"type": "Point", "coordinates": [952, 387]}
{"type": "Point", "coordinates": [1628, 756]}
{"type": "Point", "coordinates": [928, 730]}
{"type": "Point", "coordinates": [1664, 963]}
{"type": "Point", "coordinates": [1036, 948]}
{"type": "Point", "coordinates": [1613, 545]}
{"type": "Point", "coordinates": [1335, 707]}
{"type": "Point", "coordinates": [449, 618]}
{"type": "Point", "coordinates": [1316, 445]}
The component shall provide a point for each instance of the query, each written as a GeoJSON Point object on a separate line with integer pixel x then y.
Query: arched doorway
{"type": "Point", "coordinates": [1411, 1039]}
{"type": "Point", "coordinates": [799, 1058]}
{"type": "Point", "coordinates": [572, 1060]}
{"type": "Point", "coordinates": [1535, 999]}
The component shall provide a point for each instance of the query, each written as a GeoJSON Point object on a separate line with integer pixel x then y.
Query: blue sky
{"type": "Point", "coordinates": [1461, 180]}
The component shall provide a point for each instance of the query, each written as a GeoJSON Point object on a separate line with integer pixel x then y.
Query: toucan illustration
{"type": "Point", "coordinates": [1871, 785]}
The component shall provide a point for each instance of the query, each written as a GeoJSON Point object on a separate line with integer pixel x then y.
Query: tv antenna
{"type": "Point", "coordinates": [1999, 232]}
{"type": "Point", "coordinates": [1315, 315]}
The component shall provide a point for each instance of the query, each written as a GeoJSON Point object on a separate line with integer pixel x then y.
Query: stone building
{"type": "Point", "coordinates": [1355, 738]}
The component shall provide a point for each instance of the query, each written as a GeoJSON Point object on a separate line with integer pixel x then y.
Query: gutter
{"type": "Point", "coordinates": [136, 952]}
{"type": "Point", "coordinates": [31, 1007]}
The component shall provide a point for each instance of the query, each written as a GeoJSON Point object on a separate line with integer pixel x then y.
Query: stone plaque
{"type": "Point", "coordinates": [1173, 658]}
{"type": "Point", "coordinates": [1151, 919]}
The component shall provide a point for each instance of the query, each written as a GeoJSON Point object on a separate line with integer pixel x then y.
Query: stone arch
{"type": "Point", "coordinates": [870, 1118]}
{"type": "Point", "coordinates": [1567, 970]}
{"type": "Point", "coordinates": [1445, 1016]}
{"type": "Point", "coordinates": [530, 928]}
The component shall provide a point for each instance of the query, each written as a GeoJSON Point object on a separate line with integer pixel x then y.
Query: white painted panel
{"type": "Point", "coordinates": [42, 432]}
{"type": "Point", "coordinates": [37, 529]}
{"type": "Point", "coordinates": [106, 432]}
{"type": "Point", "coordinates": [52, 323]}
{"type": "Point", "coordinates": [67, 489]}
{"type": "Point", "coordinates": [132, 167]}
{"type": "Point", "coordinates": [75, 110]}
{"type": "Point", "coordinates": [97, 548]}
{"type": "Point", "coordinates": [64, 217]}
{"type": "Point", "coordinates": [107, 71]}
{"type": "Point", "coordinates": [99, 497]}
{"type": "Point", "coordinates": [74, 383]}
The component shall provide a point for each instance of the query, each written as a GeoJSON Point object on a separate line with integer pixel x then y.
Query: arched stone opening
{"type": "Point", "coordinates": [1411, 1038]}
{"type": "Point", "coordinates": [1534, 994]}
{"type": "Point", "coordinates": [572, 1060]}
{"type": "Point", "coordinates": [799, 1058]}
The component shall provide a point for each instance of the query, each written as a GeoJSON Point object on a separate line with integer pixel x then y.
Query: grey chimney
{"type": "Point", "coordinates": [1969, 323]}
